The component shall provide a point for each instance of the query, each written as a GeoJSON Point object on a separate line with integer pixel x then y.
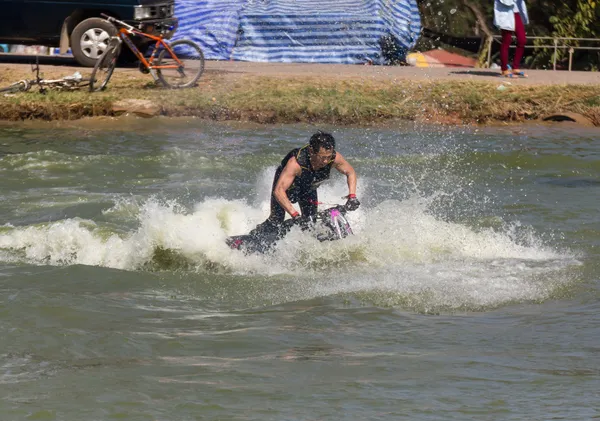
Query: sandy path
{"type": "Point", "coordinates": [53, 66]}
{"type": "Point", "coordinates": [393, 73]}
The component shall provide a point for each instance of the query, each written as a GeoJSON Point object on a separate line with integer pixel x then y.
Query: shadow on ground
{"type": "Point", "coordinates": [477, 73]}
{"type": "Point", "coordinates": [43, 59]}
{"type": "Point", "coordinates": [67, 61]}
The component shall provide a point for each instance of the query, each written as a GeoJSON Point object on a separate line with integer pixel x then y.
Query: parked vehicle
{"type": "Point", "coordinates": [77, 23]}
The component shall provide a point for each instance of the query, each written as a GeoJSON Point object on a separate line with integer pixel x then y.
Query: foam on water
{"type": "Point", "coordinates": [400, 254]}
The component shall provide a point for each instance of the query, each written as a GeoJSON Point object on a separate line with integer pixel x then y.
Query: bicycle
{"type": "Point", "coordinates": [66, 83]}
{"type": "Point", "coordinates": [164, 63]}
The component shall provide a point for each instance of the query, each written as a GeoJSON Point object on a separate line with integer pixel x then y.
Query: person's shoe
{"type": "Point", "coordinates": [519, 73]}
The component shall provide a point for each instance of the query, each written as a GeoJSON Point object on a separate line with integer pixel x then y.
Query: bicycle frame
{"type": "Point", "coordinates": [163, 57]}
{"type": "Point", "coordinates": [124, 35]}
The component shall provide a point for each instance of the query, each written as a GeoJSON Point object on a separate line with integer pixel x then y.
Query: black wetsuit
{"type": "Point", "coordinates": [302, 191]}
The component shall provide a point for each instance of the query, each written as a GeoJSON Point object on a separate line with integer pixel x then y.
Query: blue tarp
{"type": "Point", "coordinates": [212, 24]}
{"type": "Point", "coordinates": [300, 31]}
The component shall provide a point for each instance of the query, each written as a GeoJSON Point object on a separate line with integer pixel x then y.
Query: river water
{"type": "Point", "coordinates": [470, 290]}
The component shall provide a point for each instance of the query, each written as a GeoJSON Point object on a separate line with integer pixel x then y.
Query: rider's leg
{"type": "Point", "coordinates": [308, 201]}
{"type": "Point", "coordinates": [275, 220]}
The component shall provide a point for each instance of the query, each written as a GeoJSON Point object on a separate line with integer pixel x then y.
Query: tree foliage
{"type": "Point", "coordinates": [567, 18]}
{"type": "Point", "coordinates": [571, 19]}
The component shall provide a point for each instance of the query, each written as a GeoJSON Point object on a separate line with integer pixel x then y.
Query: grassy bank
{"type": "Point", "coordinates": [323, 100]}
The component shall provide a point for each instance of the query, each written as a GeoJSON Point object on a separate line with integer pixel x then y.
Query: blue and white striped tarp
{"type": "Point", "coordinates": [322, 31]}
{"type": "Point", "coordinates": [212, 24]}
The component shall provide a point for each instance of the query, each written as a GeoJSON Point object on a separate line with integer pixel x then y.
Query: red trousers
{"type": "Point", "coordinates": [507, 40]}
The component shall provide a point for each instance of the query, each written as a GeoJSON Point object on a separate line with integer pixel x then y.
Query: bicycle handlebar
{"type": "Point", "coordinates": [115, 20]}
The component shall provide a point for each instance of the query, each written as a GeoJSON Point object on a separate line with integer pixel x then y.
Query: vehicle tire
{"type": "Point", "coordinates": [89, 40]}
{"type": "Point", "coordinates": [190, 54]}
{"type": "Point", "coordinates": [105, 65]}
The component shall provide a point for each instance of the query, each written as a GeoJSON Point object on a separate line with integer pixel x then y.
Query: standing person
{"type": "Point", "coordinates": [511, 17]}
{"type": "Point", "coordinates": [297, 178]}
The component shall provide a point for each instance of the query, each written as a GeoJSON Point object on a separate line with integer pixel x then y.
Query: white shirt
{"type": "Point", "coordinates": [504, 13]}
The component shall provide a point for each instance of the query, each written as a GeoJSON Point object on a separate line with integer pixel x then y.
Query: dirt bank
{"type": "Point", "coordinates": [339, 94]}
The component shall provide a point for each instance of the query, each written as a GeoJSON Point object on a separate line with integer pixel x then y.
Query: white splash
{"type": "Point", "coordinates": [400, 253]}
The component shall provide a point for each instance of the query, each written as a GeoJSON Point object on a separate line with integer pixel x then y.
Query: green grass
{"type": "Point", "coordinates": [288, 100]}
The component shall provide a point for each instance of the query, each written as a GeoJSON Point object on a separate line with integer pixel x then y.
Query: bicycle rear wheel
{"type": "Point", "coordinates": [105, 66]}
{"type": "Point", "coordinates": [187, 62]}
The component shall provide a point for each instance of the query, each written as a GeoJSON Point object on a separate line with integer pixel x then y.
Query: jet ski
{"type": "Point", "coordinates": [328, 225]}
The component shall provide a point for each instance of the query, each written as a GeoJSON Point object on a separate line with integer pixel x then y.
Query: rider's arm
{"type": "Point", "coordinates": [286, 178]}
{"type": "Point", "coordinates": [345, 168]}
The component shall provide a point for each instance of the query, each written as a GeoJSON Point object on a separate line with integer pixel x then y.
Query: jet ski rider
{"type": "Point", "coordinates": [297, 178]}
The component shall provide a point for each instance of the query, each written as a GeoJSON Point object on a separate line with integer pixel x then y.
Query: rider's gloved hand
{"type": "Point", "coordinates": [352, 203]}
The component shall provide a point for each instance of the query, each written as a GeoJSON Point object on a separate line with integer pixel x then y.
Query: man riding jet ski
{"type": "Point", "coordinates": [296, 180]}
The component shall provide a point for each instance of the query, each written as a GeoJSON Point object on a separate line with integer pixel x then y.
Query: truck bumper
{"type": "Point", "coordinates": [166, 27]}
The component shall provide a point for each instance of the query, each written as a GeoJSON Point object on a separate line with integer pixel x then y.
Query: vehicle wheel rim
{"type": "Point", "coordinates": [94, 42]}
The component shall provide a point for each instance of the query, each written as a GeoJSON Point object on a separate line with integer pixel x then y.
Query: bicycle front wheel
{"type": "Point", "coordinates": [185, 64]}
{"type": "Point", "coordinates": [105, 66]}
{"type": "Point", "coordinates": [21, 85]}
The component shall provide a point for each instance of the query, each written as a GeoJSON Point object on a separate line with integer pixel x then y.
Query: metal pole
{"type": "Point", "coordinates": [555, 51]}
{"type": "Point", "coordinates": [571, 51]}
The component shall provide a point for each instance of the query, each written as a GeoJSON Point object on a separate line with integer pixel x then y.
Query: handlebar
{"type": "Point", "coordinates": [117, 21]}
{"type": "Point", "coordinates": [338, 225]}
{"type": "Point", "coordinates": [324, 213]}
{"type": "Point", "coordinates": [319, 216]}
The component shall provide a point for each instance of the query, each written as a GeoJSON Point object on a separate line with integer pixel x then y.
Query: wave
{"type": "Point", "coordinates": [401, 254]}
